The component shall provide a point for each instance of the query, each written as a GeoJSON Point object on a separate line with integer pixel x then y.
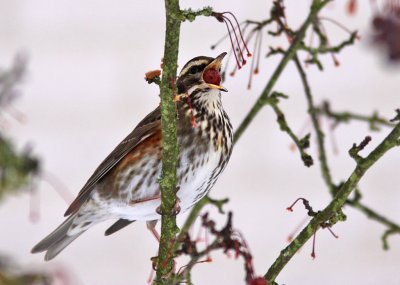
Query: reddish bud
{"type": "Point", "coordinates": [351, 7]}
{"type": "Point", "coordinates": [313, 245]}
{"type": "Point", "coordinates": [219, 17]}
{"type": "Point", "coordinates": [336, 62]}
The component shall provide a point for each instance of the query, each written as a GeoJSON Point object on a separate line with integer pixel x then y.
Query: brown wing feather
{"type": "Point", "coordinates": [144, 129]}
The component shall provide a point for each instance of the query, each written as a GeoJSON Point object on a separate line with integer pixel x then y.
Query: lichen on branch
{"type": "Point", "coordinates": [169, 141]}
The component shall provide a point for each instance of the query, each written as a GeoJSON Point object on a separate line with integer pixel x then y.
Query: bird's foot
{"type": "Point", "coordinates": [175, 210]}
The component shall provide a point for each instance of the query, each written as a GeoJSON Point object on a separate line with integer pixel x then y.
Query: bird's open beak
{"type": "Point", "coordinates": [216, 65]}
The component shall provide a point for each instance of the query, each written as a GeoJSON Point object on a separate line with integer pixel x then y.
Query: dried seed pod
{"type": "Point", "coordinates": [150, 75]}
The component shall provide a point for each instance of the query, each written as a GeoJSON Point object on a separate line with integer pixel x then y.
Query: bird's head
{"type": "Point", "coordinates": [201, 74]}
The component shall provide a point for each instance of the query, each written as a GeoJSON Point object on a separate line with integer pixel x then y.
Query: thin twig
{"type": "Point", "coordinates": [335, 205]}
{"type": "Point", "coordinates": [301, 144]}
{"type": "Point", "coordinates": [315, 8]}
{"type": "Point", "coordinates": [317, 128]}
{"type": "Point", "coordinates": [392, 227]}
{"type": "Point", "coordinates": [344, 117]}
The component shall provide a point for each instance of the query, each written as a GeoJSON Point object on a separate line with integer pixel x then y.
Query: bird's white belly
{"type": "Point", "coordinates": [196, 183]}
{"type": "Point", "coordinates": [191, 188]}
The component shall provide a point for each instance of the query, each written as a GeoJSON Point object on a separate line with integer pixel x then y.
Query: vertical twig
{"type": "Point", "coordinates": [169, 141]}
{"type": "Point", "coordinates": [314, 119]}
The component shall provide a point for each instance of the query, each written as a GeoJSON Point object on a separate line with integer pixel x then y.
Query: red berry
{"type": "Point", "coordinates": [212, 76]}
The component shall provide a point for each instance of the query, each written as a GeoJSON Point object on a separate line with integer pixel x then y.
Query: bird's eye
{"type": "Point", "coordinates": [194, 69]}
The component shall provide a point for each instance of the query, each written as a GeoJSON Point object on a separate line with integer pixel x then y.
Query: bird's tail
{"type": "Point", "coordinates": [55, 242]}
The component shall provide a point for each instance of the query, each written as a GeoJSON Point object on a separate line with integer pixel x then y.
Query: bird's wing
{"type": "Point", "coordinates": [146, 128]}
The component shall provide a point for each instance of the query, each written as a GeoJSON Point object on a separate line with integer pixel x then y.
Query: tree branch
{"type": "Point", "coordinates": [392, 227]}
{"type": "Point", "coordinates": [190, 15]}
{"type": "Point", "coordinates": [341, 117]}
{"type": "Point", "coordinates": [169, 141]}
{"type": "Point", "coordinates": [314, 119]}
{"type": "Point", "coordinates": [330, 49]}
{"type": "Point", "coordinates": [316, 6]}
{"type": "Point", "coordinates": [335, 205]}
{"type": "Point", "coordinates": [302, 143]}
{"type": "Point", "coordinates": [344, 117]}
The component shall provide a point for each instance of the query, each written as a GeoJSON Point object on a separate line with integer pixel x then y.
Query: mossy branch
{"type": "Point", "coordinates": [169, 229]}
{"type": "Point", "coordinates": [169, 141]}
{"type": "Point", "coordinates": [190, 15]}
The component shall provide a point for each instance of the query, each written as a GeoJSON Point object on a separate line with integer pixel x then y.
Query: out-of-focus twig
{"type": "Point", "coordinates": [374, 120]}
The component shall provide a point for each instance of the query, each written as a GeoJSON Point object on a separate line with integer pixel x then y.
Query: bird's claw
{"type": "Point", "coordinates": [177, 207]}
{"type": "Point", "coordinates": [175, 210]}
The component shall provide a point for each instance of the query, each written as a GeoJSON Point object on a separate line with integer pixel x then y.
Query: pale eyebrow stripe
{"type": "Point", "coordinates": [197, 62]}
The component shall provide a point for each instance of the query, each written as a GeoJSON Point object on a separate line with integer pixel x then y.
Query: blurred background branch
{"type": "Point", "coordinates": [16, 167]}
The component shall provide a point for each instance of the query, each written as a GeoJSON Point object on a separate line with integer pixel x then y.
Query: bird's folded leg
{"type": "Point", "coordinates": [137, 201]}
{"type": "Point", "coordinates": [151, 226]}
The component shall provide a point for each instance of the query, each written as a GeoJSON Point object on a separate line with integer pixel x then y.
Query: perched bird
{"type": "Point", "coordinates": [125, 186]}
